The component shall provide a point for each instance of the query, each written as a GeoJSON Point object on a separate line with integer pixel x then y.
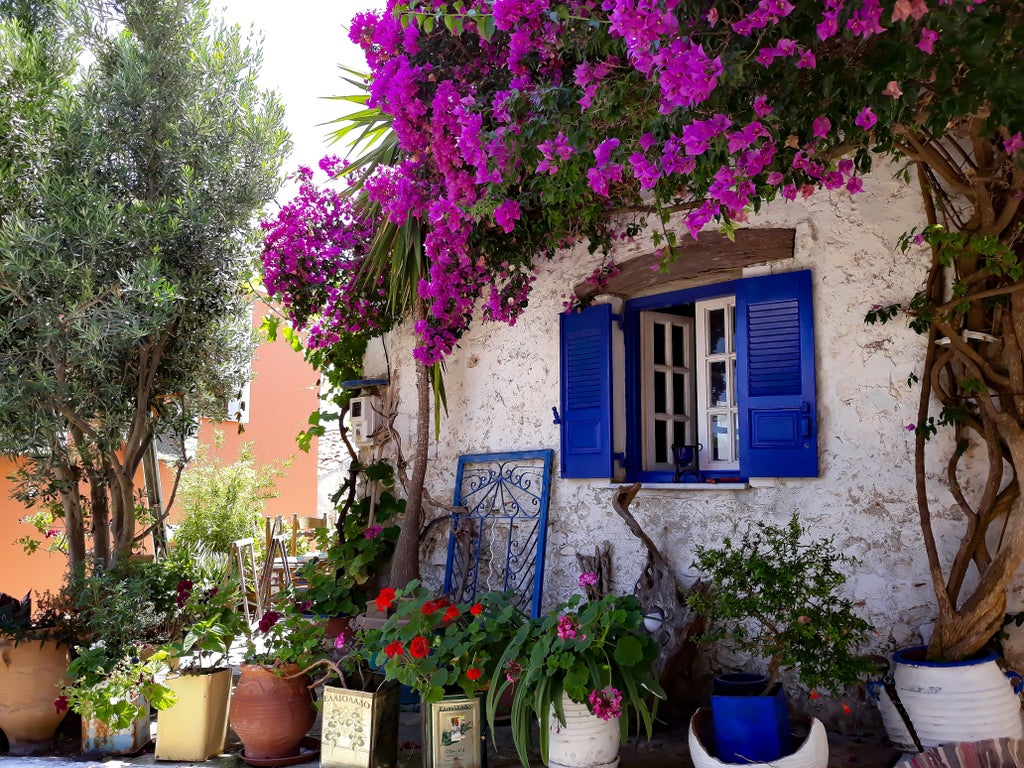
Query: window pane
{"type": "Point", "coordinates": [660, 396]}
{"type": "Point", "coordinates": [732, 326]}
{"type": "Point", "coordinates": [659, 344]}
{"type": "Point", "coordinates": [719, 386]}
{"type": "Point", "coordinates": [682, 434]}
{"type": "Point", "coordinates": [677, 346]}
{"type": "Point", "coordinates": [721, 442]}
{"type": "Point", "coordinates": [716, 331]}
{"type": "Point", "coordinates": [660, 441]}
{"type": "Point", "coordinates": [679, 391]}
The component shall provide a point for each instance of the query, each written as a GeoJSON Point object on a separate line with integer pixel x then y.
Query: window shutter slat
{"type": "Point", "coordinates": [586, 392]}
{"type": "Point", "coordinates": [776, 388]}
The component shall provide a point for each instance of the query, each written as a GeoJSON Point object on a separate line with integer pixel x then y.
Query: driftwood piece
{"type": "Point", "coordinates": [658, 588]}
{"type": "Point", "coordinates": [599, 564]}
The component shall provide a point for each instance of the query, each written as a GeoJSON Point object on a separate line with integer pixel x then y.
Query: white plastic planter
{"type": "Point", "coordinates": [585, 741]}
{"type": "Point", "coordinates": [949, 702]}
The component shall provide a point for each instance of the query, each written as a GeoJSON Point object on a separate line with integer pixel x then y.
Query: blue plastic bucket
{"type": "Point", "coordinates": [751, 729]}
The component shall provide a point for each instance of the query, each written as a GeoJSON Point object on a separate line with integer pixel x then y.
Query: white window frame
{"type": "Point", "coordinates": [648, 320]}
{"type": "Point", "coordinates": [705, 358]}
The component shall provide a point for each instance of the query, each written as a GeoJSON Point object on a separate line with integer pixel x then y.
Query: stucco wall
{"type": "Point", "coordinates": [502, 382]}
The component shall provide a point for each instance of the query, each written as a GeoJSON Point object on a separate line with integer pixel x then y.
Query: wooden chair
{"type": "Point", "coordinates": [276, 574]}
{"type": "Point", "coordinates": [243, 563]}
{"type": "Point", "coordinates": [273, 526]}
{"type": "Point", "coordinates": [306, 527]}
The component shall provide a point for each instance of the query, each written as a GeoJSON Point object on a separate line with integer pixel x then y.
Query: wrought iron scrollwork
{"type": "Point", "coordinates": [498, 542]}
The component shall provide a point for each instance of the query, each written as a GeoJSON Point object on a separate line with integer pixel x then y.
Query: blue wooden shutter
{"type": "Point", "coordinates": [775, 371]}
{"type": "Point", "coordinates": [586, 392]}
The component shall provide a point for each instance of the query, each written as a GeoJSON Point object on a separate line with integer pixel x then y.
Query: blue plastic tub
{"type": "Point", "coordinates": [751, 729]}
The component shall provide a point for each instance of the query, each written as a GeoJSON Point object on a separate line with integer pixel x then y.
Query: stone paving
{"type": "Point", "coordinates": [667, 749]}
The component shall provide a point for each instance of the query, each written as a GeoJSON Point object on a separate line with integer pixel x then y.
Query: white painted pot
{"type": "Point", "coordinates": [949, 702]}
{"type": "Point", "coordinates": [585, 741]}
{"type": "Point", "coordinates": [812, 752]}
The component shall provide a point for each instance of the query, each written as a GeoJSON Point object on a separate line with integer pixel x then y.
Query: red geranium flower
{"type": "Point", "coordinates": [477, 609]}
{"type": "Point", "coordinates": [451, 614]}
{"type": "Point", "coordinates": [61, 704]}
{"type": "Point", "coordinates": [419, 647]}
{"type": "Point", "coordinates": [473, 673]}
{"type": "Point", "coordinates": [430, 607]}
{"type": "Point", "coordinates": [394, 649]}
{"type": "Point", "coordinates": [385, 599]}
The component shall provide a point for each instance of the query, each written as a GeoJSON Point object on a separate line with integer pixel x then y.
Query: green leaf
{"type": "Point", "coordinates": [629, 652]}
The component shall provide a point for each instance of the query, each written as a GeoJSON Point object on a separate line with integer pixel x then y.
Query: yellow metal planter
{"type": "Point", "coordinates": [195, 727]}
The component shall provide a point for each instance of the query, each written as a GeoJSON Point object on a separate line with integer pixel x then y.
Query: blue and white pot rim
{"type": "Point", "coordinates": [982, 657]}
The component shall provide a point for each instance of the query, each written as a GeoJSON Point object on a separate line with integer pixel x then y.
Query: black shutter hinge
{"type": "Point", "coordinates": [554, 412]}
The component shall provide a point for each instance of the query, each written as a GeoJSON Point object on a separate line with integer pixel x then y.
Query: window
{"type": "Point", "coordinates": [728, 366]}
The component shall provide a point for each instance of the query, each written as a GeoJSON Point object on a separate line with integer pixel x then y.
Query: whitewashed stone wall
{"type": "Point", "coordinates": [502, 382]}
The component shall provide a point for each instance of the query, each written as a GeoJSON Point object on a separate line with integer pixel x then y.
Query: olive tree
{"type": "Point", "coordinates": [125, 255]}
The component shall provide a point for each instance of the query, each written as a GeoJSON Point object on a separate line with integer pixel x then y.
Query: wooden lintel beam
{"type": "Point", "coordinates": [713, 252]}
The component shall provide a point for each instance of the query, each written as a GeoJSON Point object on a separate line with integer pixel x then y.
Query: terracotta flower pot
{"type": "Point", "coordinates": [29, 675]}
{"type": "Point", "coordinates": [271, 711]}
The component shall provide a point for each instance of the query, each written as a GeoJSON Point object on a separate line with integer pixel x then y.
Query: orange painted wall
{"type": "Point", "coordinates": [282, 395]}
{"type": "Point", "coordinates": [41, 571]}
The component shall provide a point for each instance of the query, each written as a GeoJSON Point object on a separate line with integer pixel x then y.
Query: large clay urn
{"type": "Point", "coordinates": [30, 672]}
{"type": "Point", "coordinates": [271, 710]}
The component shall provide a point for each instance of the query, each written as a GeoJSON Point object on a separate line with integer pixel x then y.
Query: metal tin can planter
{"type": "Point", "coordinates": [195, 727]}
{"type": "Point", "coordinates": [360, 728]}
{"type": "Point", "coordinates": [948, 702]}
{"type": "Point", "coordinates": [30, 672]}
{"type": "Point", "coordinates": [100, 738]}
{"type": "Point", "coordinates": [812, 752]}
{"type": "Point", "coordinates": [585, 741]}
{"type": "Point", "coordinates": [271, 711]}
{"type": "Point", "coordinates": [453, 732]}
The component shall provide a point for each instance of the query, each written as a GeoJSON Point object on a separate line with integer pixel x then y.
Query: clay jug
{"type": "Point", "coordinates": [29, 675]}
{"type": "Point", "coordinates": [271, 710]}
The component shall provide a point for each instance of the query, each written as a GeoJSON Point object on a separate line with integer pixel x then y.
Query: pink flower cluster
{"type": "Point", "coordinates": [568, 628]}
{"type": "Point", "coordinates": [312, 253]}
{"type": "Point", "coordinates": [606, 703]}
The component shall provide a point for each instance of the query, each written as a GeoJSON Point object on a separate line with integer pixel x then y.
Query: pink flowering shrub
{"type": "Point", "coordinates": [517, 138]}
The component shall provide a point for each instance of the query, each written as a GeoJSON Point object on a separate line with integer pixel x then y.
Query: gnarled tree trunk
{"type": "Point", "coordinates": [972, 308]}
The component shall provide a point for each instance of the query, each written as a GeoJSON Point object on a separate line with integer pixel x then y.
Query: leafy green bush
{"type": "Point", "coordinates": [338, 582]}
{"type": "Point", "coordinates": [775, 597]}
{"type": "Point", "coordinates": [223, 502]}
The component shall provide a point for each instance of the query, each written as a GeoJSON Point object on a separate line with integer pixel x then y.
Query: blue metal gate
{"type": "Point", "coordinates": [497, 541]}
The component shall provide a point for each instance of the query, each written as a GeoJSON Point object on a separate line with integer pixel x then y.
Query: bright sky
{"type": "Point", "coordinates": [304, 42]}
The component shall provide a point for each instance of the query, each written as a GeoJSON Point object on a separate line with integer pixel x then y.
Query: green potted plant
{"type": "Point", "coordinates": [338, 584]}
{"type": "Point", "coordinates": [584, 670]}
{"type": "Point", "coordinates": [360, 706]}
{"type": "Point", "coordinates": [195, 727]}
{"type": "Point", "coordinates": [113, 692]}
{"type": "Point", "coordinates": [448, 653]}
{"type": "Point", "coordinates": [272, 705]}
{"type": "Point", "coordinates": [777, 597]}
{"type": "Point", "coordinates": [119, 619]}
{"type": "Point", "coordinates": [36, 657]}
